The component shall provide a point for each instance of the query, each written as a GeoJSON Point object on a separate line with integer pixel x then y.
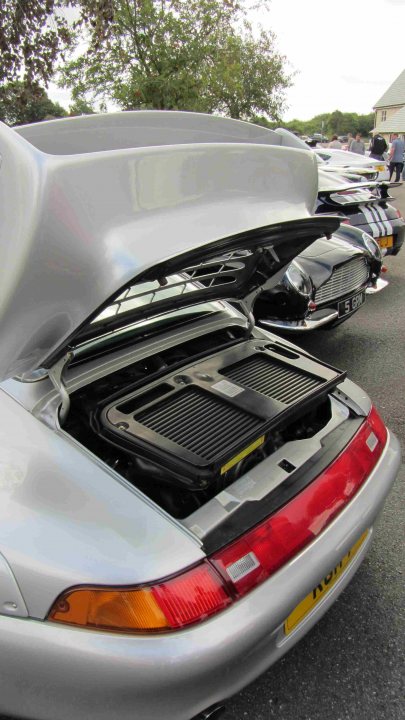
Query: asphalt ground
{"type": "Point", "coordinates": [351, 666]}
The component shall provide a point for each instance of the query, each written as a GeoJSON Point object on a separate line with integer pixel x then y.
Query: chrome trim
{"type": "Point", "coordinates": [213, 712]}
{"type": "Point", "coordinates": [379, 285]}
{"type": "Point", "coordinates": [345, 279]}
{"type": "Point", "coordinates": [300, 325]}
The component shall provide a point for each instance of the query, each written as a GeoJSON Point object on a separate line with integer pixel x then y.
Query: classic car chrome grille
{"type": "Point", "coordinates": [276, 381]}
{"type": "Point", "coordinates": [344, 279]}
{"type": "Point", "coordinates": [199, 422]}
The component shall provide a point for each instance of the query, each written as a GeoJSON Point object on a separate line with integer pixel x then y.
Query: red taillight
{"type": "Point", "coordinates": [278, 538]}
{"type": "Point", "coordinates": [194, 595]}
{"type": "Point", "coordinates": [201, 591]}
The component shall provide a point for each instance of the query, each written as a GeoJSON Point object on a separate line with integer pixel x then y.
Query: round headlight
{"type": "Point", "coordinates": [372, 246]}
{"type": "Point", "coordinates": [298, 279]}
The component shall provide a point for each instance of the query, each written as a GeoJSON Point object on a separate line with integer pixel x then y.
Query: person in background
{"type": "Point", "coordinates": [378, 146]}
{"type": "Point", "coordinates": [350, 139]}
{"type": "Point", "coordinates": [396, 157]}
{"type": "Point", "coordinates": [334, 143]}
{"type": "Point", "coordinates": [358, 145]}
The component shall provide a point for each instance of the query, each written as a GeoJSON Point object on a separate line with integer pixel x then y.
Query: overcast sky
{"type": "Point", "coordinates": [344, 54]}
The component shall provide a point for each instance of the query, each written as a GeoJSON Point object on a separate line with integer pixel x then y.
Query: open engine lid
{"type": "Point", "coordinates": [335, 182]}
{"type": "Point", "coordinates": [343, 191]}
{"type": "Point", "coordinates": [78, 231]}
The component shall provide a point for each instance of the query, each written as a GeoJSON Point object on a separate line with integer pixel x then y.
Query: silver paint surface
{"type": "Point", "coordinates": [97, 675]}
{"type": "Point", "coordinates": [79, 227]}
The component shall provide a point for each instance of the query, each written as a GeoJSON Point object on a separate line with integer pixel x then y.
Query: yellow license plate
{"type": "Point", "coordinates": [380, 168]}
{"type": "Point", "coordinates": [319, 592]}
{"type": "Point", "coordinates": [385, 242]}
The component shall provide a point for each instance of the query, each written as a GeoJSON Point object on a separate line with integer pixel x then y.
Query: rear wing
{"type": "Point", "coordinates": [76, 226]}
{"type": "Point", "coordinates": [356, 192]}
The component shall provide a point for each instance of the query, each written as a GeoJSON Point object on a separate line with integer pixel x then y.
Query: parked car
{"type": "Point", "coordinates": [325, 285]}
{"type": "Point", "coordinates": [183, 494]}
{"type": "Point", "coordinates": [353, 162]}
{"type": "Point", "coordinates": [316, 138]}
{"type": "Point", "coordinates": [365, 206]}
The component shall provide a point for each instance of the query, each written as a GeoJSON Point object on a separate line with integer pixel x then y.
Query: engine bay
{"type": "Point", "coordinates": [185, 423]}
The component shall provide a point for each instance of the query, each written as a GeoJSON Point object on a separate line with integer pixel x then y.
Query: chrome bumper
{"type": "Point", "coordinates": [310, 323]}
{"type": "Point", "coordinates": [380, 285]}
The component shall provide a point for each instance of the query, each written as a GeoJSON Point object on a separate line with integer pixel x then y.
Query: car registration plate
{"type": "Point", "coordinates": [385, 242]}
{"type": "Point", "coordinates": [322, 589]}
{"type": "Point", "coordinates": [351, 304]}
{"type": "Point", "coordinates": [380, 168]}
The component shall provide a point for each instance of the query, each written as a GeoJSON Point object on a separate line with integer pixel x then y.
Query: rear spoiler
{"type": "Point", "coordinates": [349, 191]}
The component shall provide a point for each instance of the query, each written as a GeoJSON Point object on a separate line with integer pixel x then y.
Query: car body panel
{"type": "Point", "coordinates": [94, 526]}
{"type": "Point", "coordinates": [83, 226]}
{"type": "Point", "coordinates": [11, 600]}
{"type": "Point", "coordinates": [147, 128]}
{"type": "Point", "coordinates": [180, 674]}
{"type": "Point", "coordinates": [363, 208]}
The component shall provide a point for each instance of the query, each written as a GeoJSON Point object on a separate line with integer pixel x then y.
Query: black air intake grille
{"type": "Point", "coordinates": [272, 379]}
{"type": "Point", "coordinates": [198, 422]}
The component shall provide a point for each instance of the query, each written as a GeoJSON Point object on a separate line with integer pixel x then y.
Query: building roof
{"type": "Point", "coordinates": [396, 123]}
{"type": "Point", "coordinates": [395, 95]}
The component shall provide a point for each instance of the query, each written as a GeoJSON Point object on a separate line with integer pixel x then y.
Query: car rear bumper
{"type": "Point", "coordinates": [52, 671]}
{"type": "Point", "coordinates": [394, 227]}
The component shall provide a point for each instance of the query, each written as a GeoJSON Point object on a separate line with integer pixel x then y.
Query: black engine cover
{"type": "Point", "coordinates": [194, 426]}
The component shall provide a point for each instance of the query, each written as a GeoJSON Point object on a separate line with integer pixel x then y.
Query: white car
{"type": "Point", "coordinates": [334, 159]}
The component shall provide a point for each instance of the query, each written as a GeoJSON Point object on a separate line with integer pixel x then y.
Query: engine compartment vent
{"type": "Point", "coordinates": [273, 379]}
{"type": "Point", "coordinates": [199, 422]}
{"type": "Point", "coordinates": [195, 426]}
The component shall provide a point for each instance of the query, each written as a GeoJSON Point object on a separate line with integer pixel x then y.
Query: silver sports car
{"type": "Point", "coordinates": [182, 494]}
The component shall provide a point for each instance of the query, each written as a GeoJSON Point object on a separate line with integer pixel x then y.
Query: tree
{"type": "Point", "coordinates": [248, 79]}
{"type": "Point", "coordinates": [81, 107]}
{"type": "Point", "coordinates": [33, 33]}
{"type": "Point", "coordinates": [337, 122]}
{"type": "Point", "coordinates": [365, 124]}
{"type": "Point", "coordinates": [177, 54]}
{"type": "Point", "coordinates": [22, 102]}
